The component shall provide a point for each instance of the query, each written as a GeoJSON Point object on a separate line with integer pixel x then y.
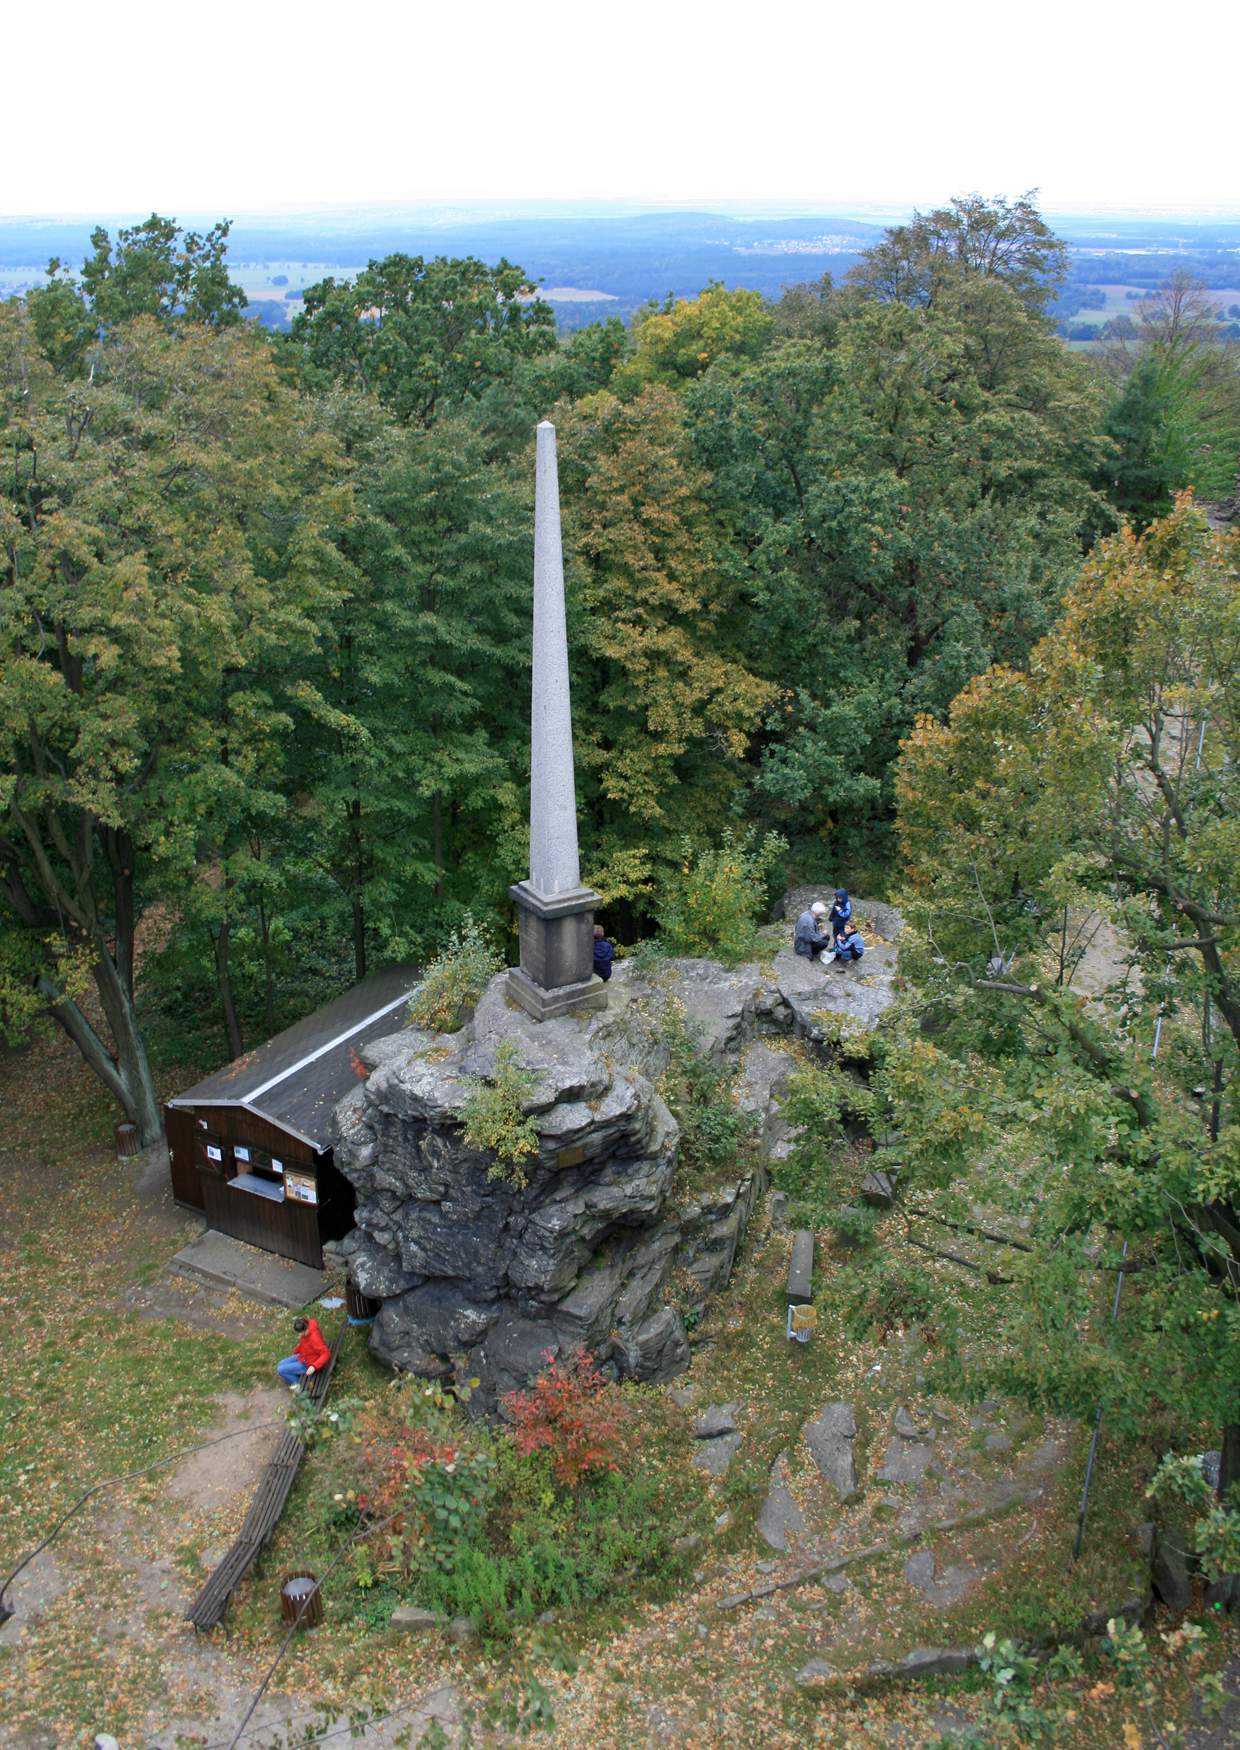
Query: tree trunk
{"type": "Point", "coordinates": [1227, 1590]}
{"type": "Point", "coordinates": [125, 1072]}
{"type": "Point", "coordinates": [232, 1027]}
{"type": "Point", "coordinates": [359, 935]}
{"type": "Point", "coordinates": [269, 981]}
{"type": "Point", "coordinates": [357, 891]}
{"type": "Point", "coordinates": [437, 841]}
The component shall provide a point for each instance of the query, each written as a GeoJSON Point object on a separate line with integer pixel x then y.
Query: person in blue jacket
{"type": "Point", "coordinates": [604, 953]}
{"type": "Point", "coordinates": [848, 944]}
{"type": "Point", "coordinates": [841, 911]}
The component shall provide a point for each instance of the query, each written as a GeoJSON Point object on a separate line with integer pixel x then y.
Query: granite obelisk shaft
{"type": "Point", "coordinates": [556, 974]}
{"type": "Point", "coordinates": [554, 863]}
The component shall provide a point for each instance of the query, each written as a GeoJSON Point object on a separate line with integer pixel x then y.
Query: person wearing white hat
{"type": "Point", "coordinates": [811, 936]}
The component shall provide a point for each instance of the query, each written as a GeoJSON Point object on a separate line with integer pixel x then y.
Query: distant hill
{"type": "Point", "coordinates": [625, 254]}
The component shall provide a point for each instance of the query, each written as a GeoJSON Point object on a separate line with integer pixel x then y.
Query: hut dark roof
{"type": "Point", "coordinates": [297, 1079]}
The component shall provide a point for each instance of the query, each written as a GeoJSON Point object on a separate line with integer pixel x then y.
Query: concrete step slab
{"type": "Point", "coordinates": [228, 1263]}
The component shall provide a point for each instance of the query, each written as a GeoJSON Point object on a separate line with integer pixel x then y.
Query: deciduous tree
{"type": "Point", "coordinates": [1085, 1101]}
{"type": "Point", "coordinates": [422, 335]}
{"type": "Point", "coordinates": [163, 559]}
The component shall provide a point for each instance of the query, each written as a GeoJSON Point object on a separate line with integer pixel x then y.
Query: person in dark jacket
{"type": "Point", "coordinates": [841, 911]}
{"type": "Point", "coordinates": [604, 953]}
{"type": "Point", "coordinates": [810, 936]}
{"type": "Point", "coordinates": [310, 1354]}
{"type": "Point", "coordinates": [848, 944]}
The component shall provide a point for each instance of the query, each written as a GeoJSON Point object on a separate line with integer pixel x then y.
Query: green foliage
{"type": "Point", "coordinates": [494, 1116]}
{"type": "Point", "coordinates": [1092, 796]}
{"type": "Point", "coordinates": [717, 1135]}
{"type": "Point", "coordinates": [1216, 1526]}
{"type": "Point", "coordinates": [1175, 420]}
{"type": "Point", "coordinates": [906, 493]}
{"type": "Point", "coordinates": [971, 237]}
{"type": "Point", "coordinates": [710, 903]}
{"type": "Point", "coordinates": [1012, 1673]}
{"type": "Point", "coordinates": [452, 1499]}
{"type": "Point", "coordinates": [819, 1172]}
{"type": "Point", "coordinates": [167, 527]}
{"type": "Point", "coordinates": [811, 1172]}
{"type": "Point", "coordinates": [611, 1534]}
{"type": "Point", "coordinates": [456, 978]}
{"type": "Point", "coordinates": [483, 1528]}
{"type": "Point", "coordinates": [789, 533]}
{"type": "Point", "coordinates": [153, 269]}
{"type": "Point", "coordinates": [683, 338]}
{"type": "Point", "coordinates": [422, 336]}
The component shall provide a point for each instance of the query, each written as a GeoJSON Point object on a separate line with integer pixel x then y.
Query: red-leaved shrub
{"type": "Point", "coordinates": [572, 1412]}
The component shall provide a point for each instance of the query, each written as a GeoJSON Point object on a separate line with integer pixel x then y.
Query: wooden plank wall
{"type": "Point", "coordinates": [289, 1229]}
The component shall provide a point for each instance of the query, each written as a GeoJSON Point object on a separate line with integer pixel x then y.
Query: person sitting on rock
{"type": "Point", "coordinates": [811, 936]}
{"type": "Point", "coordinates": [310, 1354]}
{"type": "Point", "coordinates": [848, 944]}
{"type": "Point", "coordinates": [604, 953]}
{"type": "Point", "coordinates": [841, 911]}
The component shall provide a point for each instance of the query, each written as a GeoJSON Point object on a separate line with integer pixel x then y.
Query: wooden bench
{"type": "Point", "coordinates": [268, 1504]}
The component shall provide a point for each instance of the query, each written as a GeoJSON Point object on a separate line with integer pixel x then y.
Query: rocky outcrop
{"type": "Point", "coordinates": [481, 1276]}
{"type": "Point", "coordinates": [830, 1438]}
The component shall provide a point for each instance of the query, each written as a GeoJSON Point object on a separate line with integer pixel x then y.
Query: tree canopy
{"type": "Point", "coordinates": [422, 335]}
{"type": "Point", "coordinates": [1074, 889]}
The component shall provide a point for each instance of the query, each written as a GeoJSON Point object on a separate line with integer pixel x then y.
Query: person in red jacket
{"type": "Point", "coordinates": [310, 1354]}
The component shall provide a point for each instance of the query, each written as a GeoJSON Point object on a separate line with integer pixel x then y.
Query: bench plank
{"type": "Point", "coordinates": [801, 1268]}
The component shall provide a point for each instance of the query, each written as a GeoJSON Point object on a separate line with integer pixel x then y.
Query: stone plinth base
{"type": "Point", "coordinates": [557, 952]}
{"type": "Point", "coordinates": [545, 1005]}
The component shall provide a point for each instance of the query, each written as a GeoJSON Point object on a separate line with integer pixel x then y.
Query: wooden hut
{"type": "Point", "coordinates": [251, 1145]}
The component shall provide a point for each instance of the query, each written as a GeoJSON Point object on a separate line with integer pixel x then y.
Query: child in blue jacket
{"type": "Point", "coordinates": [848, 944]}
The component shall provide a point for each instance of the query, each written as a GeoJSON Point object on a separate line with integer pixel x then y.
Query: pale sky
{"type": "Point", "coordinates": [234, 108]}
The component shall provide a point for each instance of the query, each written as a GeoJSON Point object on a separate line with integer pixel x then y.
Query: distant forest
{"type": "Point", "coordinates": [635, 257]}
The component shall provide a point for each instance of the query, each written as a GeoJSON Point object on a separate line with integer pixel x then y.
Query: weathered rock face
{"type": "Point", "coordinates": [481, 1277]}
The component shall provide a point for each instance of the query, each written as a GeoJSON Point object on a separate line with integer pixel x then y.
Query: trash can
{"type": "Point", "coordinates": [360, 1309]}
{"type": "Point", "coordinates": [301, 1602]}
{"type": "Point", "coordinates": [126, 1141]}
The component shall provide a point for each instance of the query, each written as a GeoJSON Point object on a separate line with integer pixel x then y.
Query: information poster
{"type": "Point", "coordinates": [300, 1187]}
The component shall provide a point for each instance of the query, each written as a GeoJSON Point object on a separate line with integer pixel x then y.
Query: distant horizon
{"type": "Point", "coordinates": [862, 208]}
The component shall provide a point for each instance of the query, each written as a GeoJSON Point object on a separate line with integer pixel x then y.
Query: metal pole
{"type": "Point", "coordinates": [1093, 1445]}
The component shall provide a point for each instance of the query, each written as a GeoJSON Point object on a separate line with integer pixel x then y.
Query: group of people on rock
{"type": "Point", "coordinates": [829, 934]}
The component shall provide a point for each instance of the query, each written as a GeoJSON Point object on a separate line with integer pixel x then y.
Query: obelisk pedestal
{"type": "Point", "coordinates": [556, 973]}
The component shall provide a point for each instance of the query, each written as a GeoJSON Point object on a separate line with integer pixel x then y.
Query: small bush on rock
{"type": "Point", "coordinates": [495, 1119]}
{"type": "Point", "coordinates": [456, 978]}
{"type": "Point", "coordinates": [573, 1413]}
{"type": "Point", "coordinates": [716, 1135]}
{"type": "Point", "coordinates": [709, 905]}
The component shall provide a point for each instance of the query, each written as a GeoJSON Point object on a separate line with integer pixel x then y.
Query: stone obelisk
{"type": "Point", "coordinates": [556, 973]}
